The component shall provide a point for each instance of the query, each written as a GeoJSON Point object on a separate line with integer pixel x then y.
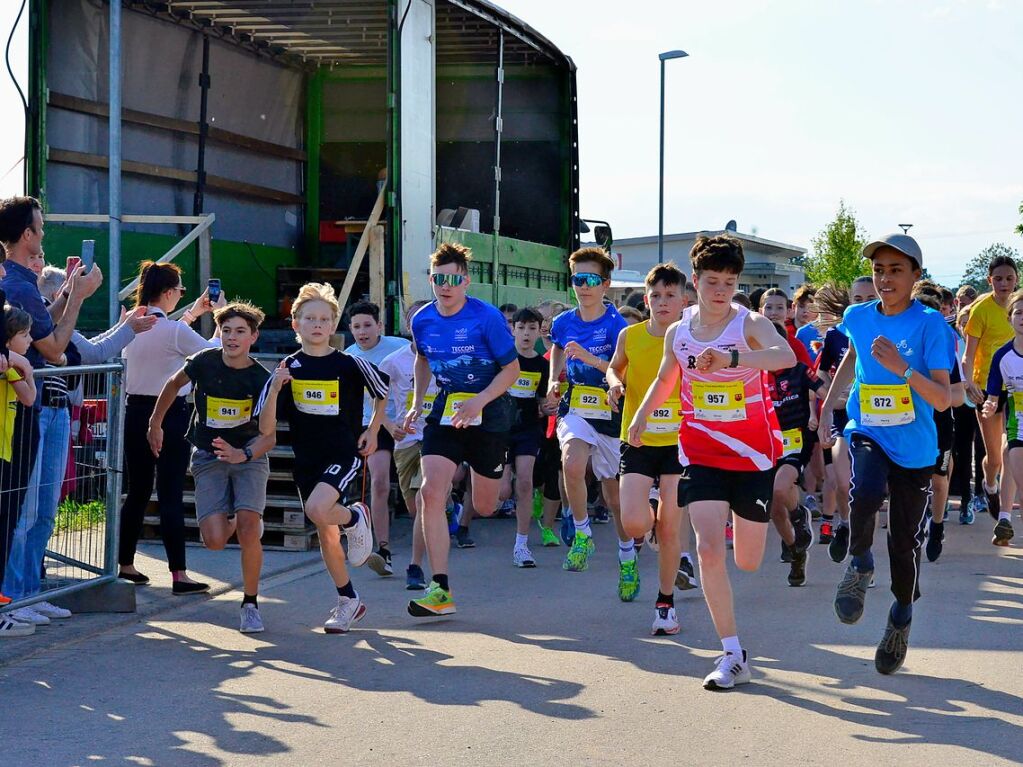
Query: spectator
{"type": "Point", "coordinates": [508, 310]}
{"type": "Point", "coordinates": [965, 296]}
{"type": "Point", "coordinates": [151, 359]}
{"type": "Point", "coordinates": [630, 315]}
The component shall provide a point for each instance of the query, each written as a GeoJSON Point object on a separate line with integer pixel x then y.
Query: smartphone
{"type": "Point", "coordinates": [88, 254]}
{"type": "Point", "coordinates": [213, 289]}
{"type": "Point", "coordinates": [73, 262]}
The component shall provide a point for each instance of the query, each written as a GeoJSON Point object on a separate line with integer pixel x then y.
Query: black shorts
{"type": "Point", "coordinates": [945, 424]}
{"type": "Point", "coordinates": [649, 461]}
{"type": "Point", "coordinates": [524, 442]}
{"type": "Point", "coordinates": [838, 421]}
{"type": "Point", "coordinates": [484, 451]}
{"type": "Point", "coordinates": [547, 468]}
{"type": "Point", "coordinates": [385, 441]}
{"type": "Point", "coordinates": [748, 493]}
{"type": "Point", "coordinates": [337, 475]}
{"type": "Point", "coordinates": [801, 460]}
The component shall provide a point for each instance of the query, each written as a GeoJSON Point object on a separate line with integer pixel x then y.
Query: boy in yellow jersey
{"type": "Point", "coordinates": [633, 368]}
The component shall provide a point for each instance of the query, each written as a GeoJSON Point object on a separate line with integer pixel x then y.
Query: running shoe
{"type": "Point", "coordinates": [967, 515]}
{"type": "Point", "coordinates": [380, 563]}
{"type": "Point", "coordinates": [601, 516]}
{"type": "Point", "coordinates": [1002, 535]}
{"type": "Point", "coordinates": [685, 578]}
{"type": "Point", "coordinates": [786, 554]}
{"type": "Point", "coordinates": [346, 612]}
{"type": "Point", "coordinates": [665, 621]}
{"type": "Point", "coordinates": [59, 613]}
{"type": "Point", "coordinates": [729, 671]}
{"type": "Point", "coordinates": [567, 528]}
{"type": "Point", "coordinates": [579, 555]}
{"type": "Point", "coordinates": [852, 594]}
{"type": "Point", "coordinates": [935, 540]}
{"type": "Point", "coordinates": [729, 536]}
{"type": "Point", "coordinates": [436, 601]}
{"type": "Point", "coordinates": [4, 601]}
{"type": "Point", "coordinates": [10, 628]}
{"type": "Point", "coordinates": [802, 524]}
{"type": "Point", "coordinates": [891, 652]}
{"type": "Point", "coordinates": [797, 570]}
{"type": "Point", "coordinates": [980, 503]}
{"type": "Point", "coordinates": [360, 537]}
{"type": "Point", "coordinates": [838, 549]}
{"type": "Point", "coordinates": [523, 557]}
{"type": "Point", "coordinates": [628, 580]}
{"type": "Point", "coordinates": [994, 504]}
{"type": "Point", "coordinates": [548, 537]}
{"type": "Point", "coordinates": [813, 506]}
{"type": "Point", "coordinates": [506, 509]}
{"type": "Point", "coordinates": [462, 539]}
{"type": "Point", "coordinates": [415, 579]}
{"type": "Point", "coordinates": [651, 539]}
{"type": "Point", "coordinates": [251, 622]}
{"type": "Point", "coordinates": [826, 531]}
{"type": "Point", "coordinates": [537, 505]}
{"type": "Point", "coordinates": [454, 512]}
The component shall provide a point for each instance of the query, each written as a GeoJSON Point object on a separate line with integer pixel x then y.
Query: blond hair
{"type": "Point", "coordinates": [315, 291]}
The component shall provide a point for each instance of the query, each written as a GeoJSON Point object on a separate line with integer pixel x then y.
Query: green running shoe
{"type": "Point", "coordinates": [436, 601]}
{"type": "Point", "coordinates": [628, 580]}
{"type": "Point", "coordinates": [548, 537]}
{"type": "Point", "coordinates": [578, 556]}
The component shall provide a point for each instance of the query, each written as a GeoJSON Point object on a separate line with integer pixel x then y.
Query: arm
{"type": "Point", "coordinates": [574, 351]}
{"type": "Point", "coordinates": [94, 352]}
{"type": "Point", "coordinates": [268, 400]}
{"type": "Point", "coordinates": [25, 389]}
{"type": "Point", "coordinates": [769, 351]}
{"type": "Point", "coordinates": [472, 408]}
{"type": "Point", "coordinates": [259, 447]}
{"type": "Point", "coordinates": [83, 285]}
{"type": "Point", "coordinates": [616, 373]}
{"type": "Point", "coordinates": [836, 395]}
{"type": "Point", "coordinates": [974, 392]}
{"type": "Point", "coordinates": [420, 382]}
{"type": "Point", "coordinates": [168, 394]}
{"type": "Point", "coordinates": [557, 367]}
{"type": "Point", "coordinates": [368, 439]}
{"type": "Point", "coordinates": [933, 389]}
{"type": "Point", "coordinates": [660, 389]}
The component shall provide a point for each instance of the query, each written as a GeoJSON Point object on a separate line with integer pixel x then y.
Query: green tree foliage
{"type": "Point", "coordinates": [1019, 226]}
{"type": "Point", "coordinates": [836, 252]}
{"type": "Point", "coordinates": [975, 273]}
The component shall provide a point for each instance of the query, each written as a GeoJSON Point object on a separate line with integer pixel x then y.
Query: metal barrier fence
{"type": "Point", "coordinates": [60, 484]}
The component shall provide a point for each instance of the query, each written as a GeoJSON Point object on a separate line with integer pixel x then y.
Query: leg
{"type": "Point", "coordinates": [939, 486]}
{"type": "Point", "coordinates": [869, 482]}
{"type": "Point", "coordinates": [669, 532]}
{"type": "Point", "coordinates": [709, 519]}
{"type": "Point", "coordinates": [750, 541]}
{"type": "Point", "coordinates": [523, 493]}
{"type": "Point", "coordinates": [328, 515]}
{"type": "Point", "coordinates": [250, 528]}
{"type": "Point", "coordinates": [216, 531]}
{"type": "Point", "coordinates": [785, 480]}
{"type": "Point", "coordinates": [992, 432]}
{"type": "Point", "coordinates": [379, 465]}
{"type": "Point", "coordinates": [637, 518]}
{"type": "Point", "coordinates": [574, 458]}
{"type": "Point", "coordinates": [843, 470]}
{"type": "Point", "coordinates": [139, 475]}
{"type": "Point", "coordinates": [418, 535]}
{"type": "Point", "coordinates": [609, 489]}
{"type": "Point", "coordinates": [910, 492]}
{"type": "Point", "coordinates": [438, 472]}
{"type": "Point", "coordinates": [171, 467]}
{"type": "Point", "coordinates": [485, 492]}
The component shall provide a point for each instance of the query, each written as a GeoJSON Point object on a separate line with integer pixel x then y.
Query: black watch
{"type": "Point", "coordinates": [248, 453]}
{"type": "Point", "coordinates": [735, 359]}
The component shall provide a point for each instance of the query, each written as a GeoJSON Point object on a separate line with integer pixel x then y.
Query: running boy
{"type": "Point", "coordinates": [229, 462]}
{"type": "Point", "coordinates": [898, 361]}
{"type": "Point", "coordinates": [319, 391]}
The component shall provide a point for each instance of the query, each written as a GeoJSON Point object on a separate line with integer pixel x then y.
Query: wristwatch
{"type": "Point", "coordinates": [248, 453]}
{"type": "Point", "coordinates": [908, 374]}
{"type": "Point", "coordinates": [735, 359]}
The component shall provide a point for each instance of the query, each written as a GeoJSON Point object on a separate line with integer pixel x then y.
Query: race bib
{"type": "Point", "coordinates": [227, 413]}
{"type": "Point", "coordinates": [791, 442]}
{"type": "Point", "coordinates": [590, 402]}
{"type": "Point", "coordinates": [664, 420]}
{"type": "Point", "coordinates": [525, 385]}
{"type": "Point", "coordinates": [451, 405]}
{"type": "Point", "coordinates": [886, 405]}
{"type": "Point", "coordinates": [719, 401]}
{"type": "Point", "coordinates": [1017, 402]}
{"type": "Point", "coordinates": [427, 403]}
{"type": "Point", "coordinates": [316, 397]}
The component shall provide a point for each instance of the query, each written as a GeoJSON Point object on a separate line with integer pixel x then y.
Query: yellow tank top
{"type": "Point", "coordinates": [644, 352]}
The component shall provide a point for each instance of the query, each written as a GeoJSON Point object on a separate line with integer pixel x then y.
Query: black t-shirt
{"type": "Point", "coordinates": [790, 391]}
{"type": "Point", "coordinates": [225, 399]}
{"type": "Point", "coordinates": [836, 344]}
{"type": "Point", "coordinates": [323, 404]}
{"type": "Point", "coordinates": [529, 388]}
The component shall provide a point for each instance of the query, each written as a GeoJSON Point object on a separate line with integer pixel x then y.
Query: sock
{"type": "Point", "coordinates": [354, 520]}
{"type": "Point", "coordinates": [901, 614]}
{"type": "Point", "coordinates": [731, 645]}
{"type": "Point", "coordinates": [250, 599]}
{"type": "Point", "coordinates": [685, 555]}
{"type": "Point", "coordinates": [348, 590]}
{"type": "Point", "coordinates": [521, 540]}
{"type": "Point", "coordinates": [463, 529]}
{"type": "Point", "coordinates": [626, 550]}
{"type": "Point", "coordinates": [583, 527]}
{"type": "Point", "coordinates": [665, 599]}
{"type": "Point", "coordinates": [990, 489]}
{"type": "Point", "coordinates": [864, 563]}
{"type": "Point", "coordinates": [441, 579]}
{"type": "Point", "coordinates": [1004, 515]}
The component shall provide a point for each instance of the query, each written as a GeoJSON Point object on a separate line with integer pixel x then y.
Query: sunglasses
{"type": "Point", "coordinates": [589, 279]}
{"type": "Point", "coordinates": [453, 280]}
{"type": "Point", "coordinates": [181, 288]}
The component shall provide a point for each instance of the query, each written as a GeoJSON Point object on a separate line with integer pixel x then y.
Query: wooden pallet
{"type": "Point", "coordinates": [273, 539]}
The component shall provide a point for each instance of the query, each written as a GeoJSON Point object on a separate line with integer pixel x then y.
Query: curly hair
{"type": "Point", "coordinates": [452, 253]}
{"type": "Point", "coordinates": [719, 253]}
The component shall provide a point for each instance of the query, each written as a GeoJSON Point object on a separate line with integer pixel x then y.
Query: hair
{"type": "Point", "coordinates": [251, 313]}
{"type": "Point", "coordinates": [154, 280]}
{"type": "Point", "coordinates": [50, 280]}
{"type": "Point", "coordinates": [315, 291]}
{"type": "Point", "coordinates": [410, 312]}
{"type": "Point", "coordinates": [597, 256]}
{"type": "Point", "coordinates": [1002, 261]}
{"type": "Point", "coordinates": [527, 314]}
{"type": "Point", "coordinates": [668, 273]}
{"type": "Point", "coordinates": [15, 321]}
{"type": "Point", "coordinates": [1015, 298]}
{"type": "Point", "coordinates": [771, 293]}
{"type": "Point", "coordinates": [364, 307]}
{"type": "Point", "coordinates": [804, 294]}
{"type": "Point", "coordinates": [756, 296]}
{"type": "Point", "coordinates": [947, 296]}
{"type": "Point", "coordinates": [742, 299]}
{"type": "Point", "coordinates": [862, 278]}
{"type": "Point", "coordinates": [628, 313]}
{"type": "Point", "coordinates": [635, 300]}
{"type": "Point", "coordinates": [719, 253]}
{"type": "Point", "coordinates": [452, 253]}
{"type": "Point", "coordinates": [16, 214]}
{"type": "Point", "coordinates": [508, 308]}
{"type": "Point", "coordinates": [966, 291]}
{"type": "Point", "coordinates": [927, 293]}
{"type": "Point", "coordinates": [831, 299]}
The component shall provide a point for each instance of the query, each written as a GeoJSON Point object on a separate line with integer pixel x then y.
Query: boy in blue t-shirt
{"type": "Point", "coordinates": [898, 364]}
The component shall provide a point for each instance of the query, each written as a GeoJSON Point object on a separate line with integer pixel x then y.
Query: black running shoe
{"type": "Point", "coordinates": [994, 504]}
{"type": "Point", "coordinates": [685, 578]}
{"type": "Point", "coordinates": [802, 524]}
{"type": "Point", "coordinates": [1003, 533]}
{"type": "Point", "coordinates": [797, 570]}
{"type": "Point", "coordinates": [891, 652]}
{"type": "Point", "coordinates": [838, 549]}
{"type": "Point", "coordinates": [935, 540]}
{"type": "Point", "coordinates": [462, 539]}
{"type": "Point", "coordinates": [786, 553]}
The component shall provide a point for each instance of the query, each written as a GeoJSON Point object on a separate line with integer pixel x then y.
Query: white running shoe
{"type": "Point", "coordinates": [730, 671]}
{"type": "Point", "coordinates": [523, 557]}
{"type": "Point", "coordinates": [28, 615]}
{"type": "Point", "coordinates": [251, 621]}
{"type": "Point", "coordinates": [665, 622]}
{"type": "Point", "coordinates": [51, 611]}
{"type": "Point", "coordinates": [10, 628]}
{"type": "Point", "coordinates": [346, 612]}
{"type": "Point", "coordinates": [360, 537]}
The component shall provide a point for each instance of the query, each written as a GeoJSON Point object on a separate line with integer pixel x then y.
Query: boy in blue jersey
{"type": "Point", "coordinates": [466, 344]}
{"type": "Point", "coordinates": [584, 341]}
{"type": "Point", "coordinates": [898, 363]}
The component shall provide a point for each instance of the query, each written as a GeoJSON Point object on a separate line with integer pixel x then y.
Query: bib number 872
{"type": "Point", "coordinates": [883, 403]}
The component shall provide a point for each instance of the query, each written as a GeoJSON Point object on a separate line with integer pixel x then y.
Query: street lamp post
{"type": "Point", "coordinates": [660, 215]}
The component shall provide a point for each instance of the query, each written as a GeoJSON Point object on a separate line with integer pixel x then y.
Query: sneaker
{"type": "Point", "coordinates": [852, 593]}
{"type": "Point", "coordinates": [548, 537]}
{"type": "Point", "coordinates": [802, 523]}
{"type": "Point", "coordinates": [462, 539]}
{"type": "Point", "coordinates": [994, 504]}
{"type": "Point", "coordinates": [838, 549]}
{"type": "Point", "coordinates": [966, 513]}
{"type": "Point", "coordinates": [567, 528]}
{"type": "Point", "coordinates": [454, 512]}
{"type": "Point", "coordinates": [729, 671]}
{"type": "Point", "coordinates": [797, 570]}
{"type": "Point", "coordinates": [891, 652]}
{"type": "Point", "coordinates": [601, 516]}
{"type": "Point", "coordinates": [380, 563]}
{"type": "Point", "coordinates": [685, 578]}
{"type": "Point", "coordinates": [1003, 533]}
{"type": "Point", "coordinates": [251, 622]}
{"type": "Point", "coordinates": [360, 539]}
{"type": "Point", "coordinates": [826, 531]}
{"type": "Point", "coordinates": [979, 503]}
{"type": "Point", "coordinates": [935, 540]}
{"type": "Point", "coordinates": [579, 555]}
{"type": "Point", "coordinates": [506, 509]}
{"type": "Point", "coordinates": [28, 615]}
{"type": "Point", "coordinates": [436, 601]}
{"type": "Point", "coordinates": [415, 579]}
{"type": "Point", "coordinates": [813, 506]}
{"type": "Point", "coordinates": [346, 612]}
{"type": "Point", "coordinates": [786, 553]}
{"type": "Point", "coordinates": [51, 611]}
{"type": "Point", "coordinates": [10, 628]}
{"type": "Point", "coordinates": [729, 536]}
{"type": "Point", "coordinates": [523, 557]}
{"type": "Point", "coordinates": [665, 621]}
{"type": "Point", "coordinates": [4, 601]}
{"type": "Point", "coordinates": [628, 580]}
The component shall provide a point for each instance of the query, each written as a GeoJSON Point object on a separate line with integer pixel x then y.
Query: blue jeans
{"type": "Point", "coordinates": [39, 510]}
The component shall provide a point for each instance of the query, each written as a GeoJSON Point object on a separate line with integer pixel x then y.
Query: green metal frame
{"type": "Point", "coordinates": [35, 122]}
{"type": "Point", "coordinates": [313, 142]}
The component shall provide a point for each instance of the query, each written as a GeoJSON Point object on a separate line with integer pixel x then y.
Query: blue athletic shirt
{"type": "Point", "coordinates": [921, 336]}
{"type": "Point", "coordinates": [807, 335]}
{"type": "Point", "coordinates": [598, 338]}
{"type": "Point", "coordinates": [466, 351]}
{"type": "Point", "coordinates": [1006, 378]}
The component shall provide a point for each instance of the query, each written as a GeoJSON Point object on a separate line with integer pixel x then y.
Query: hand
{"type": "Point", "coordinates": [989, 409]}
{"type": "Point", "coordinates": [813, 423]}
{"type": "Point", "coordinates": [85, 285]}
{"type": "Point", "coordinates": [636, 429]}
{"type": "Point", "coordinates": [155, 437]}
{"type": "Point", "coordinates": [547, 408]}
{"type": "Point", "coordinates": [888, 356]}
{"type": "Point", "coordinates": [553, 394]}
{"type": "Point", "coordinates": [138, 320]}
{"type": "Point", "coordinates": [576, 352]}
{"type": "Point", "coordinates": [18, 362]}
{"type": "Point", "coordinates": [713, 360]}
{"type": "Point", "coordinates": [124, 313]}
{"type": "Point", "coordinates": [397, 433]}
{"type": "Point", "coordinates": [468, 411]}
{"type": "Point", "coordinates": [614, 394]}
{"type": "Point", "coordinates": [368, 443]}
{"type": "Point", "coordinates": [200, 306]}
{"type": "Point", "coordinates": [824, 428]}
{"type": "Point", "coordinates": [975, 393]}
{"type": "Point", "coordinates": [227, 453]}
{"type": "Point", "coordinates": [409, 423]}
{"type": "Point", "coordinates": [281, 376]}
{"type": "Point", "coordinates": [221, 301]}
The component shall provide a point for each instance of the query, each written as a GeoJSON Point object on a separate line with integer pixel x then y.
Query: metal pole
{"type": "Point", "coordinates": [498, 129]}
{"type": "Point", "coordinates": [114, 172]}
{"type": "Point", "coordinates": [198, 201]}
{"type": "Point", "coordinates": [660, 199]}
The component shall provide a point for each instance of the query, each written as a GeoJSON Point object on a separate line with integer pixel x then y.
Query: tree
{"type": "Point", "coordinates": [837, 251]}
{"type": "Point", "coordinates": [975, 273]}
{"type": "Point", "coordinates": [1019, 226]}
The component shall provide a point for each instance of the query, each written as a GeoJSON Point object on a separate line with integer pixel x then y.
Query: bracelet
{"type": "Point", "coordinates": [187, 317]}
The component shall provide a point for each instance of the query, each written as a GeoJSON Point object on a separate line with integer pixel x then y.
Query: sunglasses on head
{"type": "Point", "coordinates": [453, 280]}
{"type": "Point", "coordinates": [589, 279]}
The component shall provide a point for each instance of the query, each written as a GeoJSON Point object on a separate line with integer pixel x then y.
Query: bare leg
{"type": "Point", "coordinates": [573, 460]}
{"type": "Point", "coordinates": [250, 528]}
{"type": "Point", "coordinates": [216, 531]}
{"type": "Point", "coordinates": [523, 493]}
{"type": "Point", "coordinates": [782, 503]}
{"type": "Point", "coordinates": [843, 473]}
{"type": "Point", "coordinates": [437, 474]}
{"type": "Point", "coordinates": [637, 518]}
{"type": "Point", "coordinates": [992, 431]}
{"type": "Point", "coordinates": [750, 541]}
{"type": "Point", "coordinates": [328, 515]}
{"type": "Point", "coordinates": [669, 539]}
{"type": "Point", "coordinates": [379, 465]}
{"type": "Point", "coordinates": [709, 519]}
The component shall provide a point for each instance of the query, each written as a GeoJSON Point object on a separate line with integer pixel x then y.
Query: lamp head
{"type": "Point", "coordinates": [672, 55]}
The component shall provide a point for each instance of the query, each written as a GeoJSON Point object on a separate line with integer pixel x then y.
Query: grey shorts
{"type": "Point", "coordinates": [227, 488]}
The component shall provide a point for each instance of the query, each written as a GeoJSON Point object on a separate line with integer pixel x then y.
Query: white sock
{"type": "Point", "coordinates": [990, 490]}
{"type": "Point", "coordinates": [521, 540]}
{"type": "Point", "coordinates": [626, 550]}
{"type": "Point", "coordinates": [583, 527]}
{"type": "Point", "coordinates": [1004, 515]}
{"type": "Point", "coordinates": [731, 645]}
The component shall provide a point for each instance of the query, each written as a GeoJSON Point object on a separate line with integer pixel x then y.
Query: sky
{"type": "Point", "coordinates": [910, 111]}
